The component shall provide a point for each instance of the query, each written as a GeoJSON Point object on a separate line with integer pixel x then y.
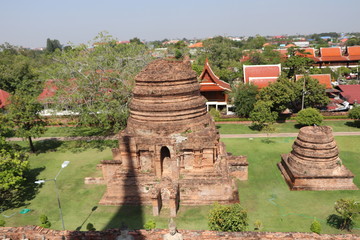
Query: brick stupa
{"type": "Point", "coordinates": [170, 150]}
{"type": "Point", "coordinates": [314, 163]}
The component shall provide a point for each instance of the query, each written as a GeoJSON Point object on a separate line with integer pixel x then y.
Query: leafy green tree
{"type": "Point", "coordinates": [97, 83]}
{"type": "Point", "coordinates": [309, 117]}
{"type": "Point", "coordinates": [297, 65]}
{"type": "Point", "coordinates": [228, 218]}
{"type": "Point", "coordinates": [353, 41]}
{"type": "Point", "coordinates": [261, 115]}
{"type": "Point", "coordinates": [52, 45]}
{"type": "Point", "coordinates": [256, 42]}
{"type": "Point", "coordinates": [24, 113]}
{"type": "Point", "coordinates": [2, 223]}
{"type": "Point", "coordinates": [315, 227]}
{"type": "Point", "coordinates": [244, 98]}
{"type": "Point", "coordinates": [13, 168]}
{"type": "Point", "coordinates": [354, 113]}
{"type": "Point", "coordinates": [315, 95]}
{"type": "Point", "coordinates": [267, 56]}
{"type": "Point", "coordinates": [135, 40]}
{"type": "Point", "coordinates": [348, 210]}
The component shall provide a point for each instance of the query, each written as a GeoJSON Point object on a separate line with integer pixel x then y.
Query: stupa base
{"type": "Point", "coordinates": [342, 181]}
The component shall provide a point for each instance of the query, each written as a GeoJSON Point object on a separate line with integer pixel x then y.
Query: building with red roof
{"type": "Point", "coordinates": [4, 98]}
{"type": "Point", "coordinates": [213, 89]}
{"type": "Point", "coordinates": [196, 45]}
{"type": "Point", "coordinates": [350, 93]}
{"type": "Point", "coordinates": [324, 79]}
{"type": "Point", "coordinates": [261, 75]}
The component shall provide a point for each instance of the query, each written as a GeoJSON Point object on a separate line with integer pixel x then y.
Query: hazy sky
{"type": "Point", "coordinates": [29, 23]}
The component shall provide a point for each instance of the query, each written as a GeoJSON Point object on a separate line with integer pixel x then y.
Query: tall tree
{"type": "Point", "coordinates": [262, 116]}
{"type": "Point", "coordinates": [244, 99]}
{"type": "Point", "coordinates": [24, 112]}
{"type": "Point", "coordinates": [52, 45]}
{"type": "Point", "coordinates": [96, 83]}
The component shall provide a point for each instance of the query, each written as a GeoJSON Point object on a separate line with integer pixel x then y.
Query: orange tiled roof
{"type": "Point", "coordinates": [211, 82]}
{"type": "Point", "coordinates": [4, 98]}
{"type": "Point", "coordinates": [324, 79]}
{"type": "Point", "coordinates": [354, 53]}
{"type": "Point", "coordinates": [197, 45]}
{"type": "Point", "coordinates": [261, 75]}
{"type": "Point", "coordinates": [331, 54]}
{"type": "Point", "coordinates": [48, 91]}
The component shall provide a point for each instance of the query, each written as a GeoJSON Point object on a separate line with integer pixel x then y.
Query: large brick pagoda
{"type": "Point", "coordinates": [314, 163]}
{"type": "Point", "coordinates": [170, 150]}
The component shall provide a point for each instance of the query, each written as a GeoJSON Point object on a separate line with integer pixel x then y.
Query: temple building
{"type": "Point", "coordinates": [261, 75]}
{"type": "Point", "coordinates": [170, 150]}
{"type": "Point", "coordinates": [314, 163]}
{"type": "Point", "coordinates": [215, 91]}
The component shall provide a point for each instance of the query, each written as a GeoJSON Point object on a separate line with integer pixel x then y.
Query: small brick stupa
{"type": "Point", "coordinates": [314, 163]}
{"type": "Point", "coordinates": [170, 150]}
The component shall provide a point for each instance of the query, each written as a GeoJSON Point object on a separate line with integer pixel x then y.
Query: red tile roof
{"type": "Point", "coordinates": [211, 82]}
{"type": "Point", "coordinates": [324, 79]}
{"type": "Point", "coordinates": [261, 75]}
{"type": "Point", "coordinates": [331, 54]}
{"type": "Point", "coordinates": [351, 93]}
{"type": "Point", "coordinates": [4, 98]}
{"type": "Point", "coordinates": [48, 91]}
{"type": "Point", "coordinates": [354, 53]}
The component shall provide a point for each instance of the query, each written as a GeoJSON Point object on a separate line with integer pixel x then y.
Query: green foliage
{"type": "Point", "coordinates": [353, 41]}
{"type": "Point", "coordinates": [257, 225]}
{"type": "Point", "coordinates": [13, 167]}
{"type": "Point", "coordinates": [24, 113]}
{"type": "Point", "coordinates": [348, 210]}
{"type": "Point", "coordinates": [214, 113]}
{"type": "Point", "coordinates": [256, 42]}
{"type": "Point", "coordinates": [309, 117]}
{"type": "Point", "coordinates": [45, 223]}
{"type": "Point", "coordinates": [90, 227]}
{"type": "Point", "coordinates": [244, 99]}
{"type": "Point", "coordinates": [97, 83]}
{"type": "Point", "coordinates": [228, 218]}
{"type": "Point", "coordinates": [297, 65]}
{"type": "Point", "coordinates": [354, 113]}
{"type": "Point", "coordinates": [149, 225]}
{"type": "Point", "coordinates": [315, 227]}
{"type": "Point", "coordinates": [52, 45]}
{"type": "Point", "coordinates": [262, 115]}
{"type": "Point", "coordinates": [2, 223]}
{"type": "Point", "coordinates": [267, 56]}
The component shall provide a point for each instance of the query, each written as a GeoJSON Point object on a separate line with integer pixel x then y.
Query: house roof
{"type": "Point", "coordinates": [331, 54]}
{"type": "Point", "coordinates": [350, 92]}
{"type": "Point", "coordinates": [324, 79]}
{"type": "Point", "coordinates": [197, 45]}
{"type": "Point", "coordinates": [353, 53]}
{"type": "Point", "coordinates": [211, 82]}
{"type": "Point", "coordinates": [48, 91]}
{"type": "Point", "coordinates": [4, 98]}
{"type": "Point", "coordinates": [261, 75]}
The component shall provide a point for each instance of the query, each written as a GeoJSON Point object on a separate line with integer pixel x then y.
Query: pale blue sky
{"type": "Point", "coordinates": [29, 23]}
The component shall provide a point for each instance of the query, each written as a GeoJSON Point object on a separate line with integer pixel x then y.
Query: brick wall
{"type": "Point", "coordinates": [37, 233]}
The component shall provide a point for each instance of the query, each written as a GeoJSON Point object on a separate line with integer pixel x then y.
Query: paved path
{"type": "Point", "coordinates": [252, 135]}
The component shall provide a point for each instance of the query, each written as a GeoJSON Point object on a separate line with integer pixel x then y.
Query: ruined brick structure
{"type": "Point", "coordinates": [314, 163]}
{"type": "Point", "coordinates": [170, 149]}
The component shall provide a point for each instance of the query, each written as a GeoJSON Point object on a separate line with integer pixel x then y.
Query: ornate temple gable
{"type": "Point", "coordinates": [211, 82]}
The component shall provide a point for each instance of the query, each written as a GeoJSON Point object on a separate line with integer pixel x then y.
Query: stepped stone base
{"type": "Point", "coordinates": [343, 180]}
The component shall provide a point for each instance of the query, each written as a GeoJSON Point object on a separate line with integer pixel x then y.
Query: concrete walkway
{"type": "Point", "coordinates": [252, 135]}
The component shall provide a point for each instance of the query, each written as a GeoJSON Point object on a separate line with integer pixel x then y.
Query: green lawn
{"type": "Point", "coordinates": [265, 195]}
{"type": "Point", "coordinates": [338, 126]}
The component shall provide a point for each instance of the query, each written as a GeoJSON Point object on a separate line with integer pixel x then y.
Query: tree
{"type": "Point", "coordinates": [13, 168]}
{"type": "Point", "coordinates": [348, 210]}
{"type": "Point", "coordinates": [244, 99]}
{"type": "Point", "coordinates": [96, 84]}
{"type": "Point", "coordinates": [315, 95]}
{"type": "Point", "coordinates": [296, 64]}
{"type": "Point", "coordinates": [262, 115]}
{"type": "Point", "coordinates": [24, 113]}
{"type": "Point", "coordinates": [52, 45]}
{"type": "Point", "coordinates": [228, 218]}
{"type": "Point", "coordinates": [135, 40]}
{"type": "Point", "coordinates": [45, 223]}
{"type": "Point", "coordinates": [354, 113]}
{"type": "Point", "coordinates": [309, 117]}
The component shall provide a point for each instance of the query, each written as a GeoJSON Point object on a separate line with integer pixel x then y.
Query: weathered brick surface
{"type": "Point", "coordinates": [35, 232]}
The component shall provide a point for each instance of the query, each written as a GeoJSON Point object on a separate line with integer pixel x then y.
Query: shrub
{"type": "Point", "coordinates": [309, 117]}
{"type": "Point", "coordinates": [151, 224]}
{"type": "Point", "coordinates": [315, 227]}
{"type": "Point", "coordinates": [257, 225]}
{"type": "Point", "coordinates": [2, 223]}
{"type": "Point", "coordinates": [90, 227]}
{"type": "Point", "coordinates": [228, 218]}
{"type": "Point", "coordinates": [45, 223]}
{"type": "Point", "coordinates": [214, 113]}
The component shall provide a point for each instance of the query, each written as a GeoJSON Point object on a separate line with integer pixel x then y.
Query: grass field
{"type": "Point", "coordinates": [265, 195]}
{"type": "Point", "coordinates": [338, 126]}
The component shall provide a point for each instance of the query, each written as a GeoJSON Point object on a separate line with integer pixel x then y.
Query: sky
{"type": "Point", "coordinates": [29, 23]}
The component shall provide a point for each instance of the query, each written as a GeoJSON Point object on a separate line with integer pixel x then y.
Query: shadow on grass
{"type": "Point", "coordinates": [267, 140]}
{"type": "Point", "coordinates": [89, 131]}
{"type": "Point", "coordinates": [83, 145]}
{"type": "Point", "coordinates": [26, 192]}
{"type": "Point", "coordinates": [48, 145]}
{"type": "Point", "coordinates": [355, 124]}
{"type": "Point", "coordinates": [218, 127]}
{"type": "Point", "coordinates": [298, 126]}
{"type": "Point", "coordinates": [338, 222]}
{"type": "Point", "coordinates": [92, 210]}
